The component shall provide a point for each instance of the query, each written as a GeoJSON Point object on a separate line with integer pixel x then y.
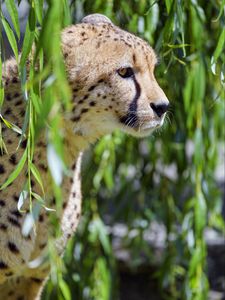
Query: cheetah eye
{"type": "Point", "coordinates": [125, 72]}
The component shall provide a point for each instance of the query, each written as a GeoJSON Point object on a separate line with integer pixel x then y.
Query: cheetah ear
{"type": "Point", "coordinates": [96, 19]}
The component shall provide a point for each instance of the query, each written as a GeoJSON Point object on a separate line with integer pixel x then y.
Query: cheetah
{"type": "Point", "coordinates": [111, 75]}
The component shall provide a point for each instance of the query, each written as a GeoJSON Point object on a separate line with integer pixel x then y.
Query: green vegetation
{"type": "Point", "coordinates": [124, 179]}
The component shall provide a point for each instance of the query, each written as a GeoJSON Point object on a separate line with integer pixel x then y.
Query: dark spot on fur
{"type": "Point", "coordinates": [3, 265]}
{"type": "Point", "coordinates": [91, 88]}
{"type": "Point", "coordinates": [3, 227]}
{"type": "Point", "coordinates": [2, 169]}
{"type": "Point", "coordinates": [41, 218]}
{"type": "Point", "coordinates": [2, 203]}
{"type": "Point", "coordinates": [37, 280]}
{"type": "Point", "coordinates": [42, 246]}
{"type": "Point", "coordinates": [75, 119]}
{"type": "Point", "coordinates": [12, 159]}
{"type": "Point", "coordinates": [13, 248]}
{"type": "Point", "coordinates": [13, 221]}
{"type": "Point", "coordinates": [19, 102]}
{"type": "Point", "coordinates": [15, 198]}
{"type": "Point", "coordinates": [92, 103]}
{"type": "Point", "coordinates": [72, 224]}
{"type": "Point", "coordinates": [23, 144]}
{"type": "Point", "coordinates": [84, 110]}
{"type": "Point", "coordinates": [8, 111]}
{"type": "Point", "coordinates": [16, 213]}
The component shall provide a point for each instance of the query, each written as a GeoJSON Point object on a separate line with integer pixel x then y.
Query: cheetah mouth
{"type": "Point", "coordinates": [151, 126]}
{"type": "Point", "coordinates": [143, 129]}
{"type": "Point", "coordinates": [141, 125]}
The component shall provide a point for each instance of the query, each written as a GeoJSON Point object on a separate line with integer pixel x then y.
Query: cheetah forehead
{"type": "Point", "coordinates": [97, 40]}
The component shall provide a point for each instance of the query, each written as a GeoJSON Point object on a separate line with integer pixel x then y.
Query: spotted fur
{"type": "Point", "coordinates": [110, 72]}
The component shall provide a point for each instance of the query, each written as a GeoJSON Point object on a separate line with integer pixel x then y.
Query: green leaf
{"type": "Point", "coordinates": [220, 46]}
{"type": "Point", "coordinates": [199, 150]}
{"type": "Point", "coordinates": [38, 7]}
{"type": "Point", "coordinates": [200, 214]}
{"type": "Point", "coordinates": [37, 175]}
{"type": "Point", "coordinates": [28, 37]}
{"type": "Point", "coordinates": [12, 9]}
{"type": "Point", "coordinates": [12, 126]}
{"type": "Point", "coordinates": [168, 5]}
{"type": "Point", "coordinates": [195, 261]}
{"type": "Point", "coordinates": [16, 171]}
{"type": "Point", "coordinates": [65, 289]}
{"type": "Point", "coordinates": [10, 36]}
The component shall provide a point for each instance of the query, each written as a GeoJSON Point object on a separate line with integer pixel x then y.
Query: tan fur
{"type": "Point", "coordinates": [94, 51]}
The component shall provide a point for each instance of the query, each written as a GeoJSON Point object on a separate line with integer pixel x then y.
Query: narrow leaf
{"type": "Point", "coordinates": [16, 171]}
{"type": "Point", "coordinates": [10, 36]}
{"type": "Point", "coordinates": [28, 37]}
{"type": "Point", "coordinates": [13, 12]}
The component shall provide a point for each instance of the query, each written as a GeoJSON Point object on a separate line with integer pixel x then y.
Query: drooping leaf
{"type": "Point", "coordinates": [10, 36]}
{"type": "Point", "coordinates": [13, 12]}
{"type": "Point", "coordinates": [16, 171]}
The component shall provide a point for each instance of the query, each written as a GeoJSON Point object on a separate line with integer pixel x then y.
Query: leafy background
{"type": "Point", "coordinates": [168, 181]}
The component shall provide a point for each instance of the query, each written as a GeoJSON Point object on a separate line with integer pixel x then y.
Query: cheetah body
{"type": "Point", "coordinates": [104, 99]}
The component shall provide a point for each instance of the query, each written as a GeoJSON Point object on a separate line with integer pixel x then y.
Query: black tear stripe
{"type": "Point", "coordinates": [130, 118]}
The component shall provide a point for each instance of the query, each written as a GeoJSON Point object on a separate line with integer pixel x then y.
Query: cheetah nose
{"type": "Point", "coordinates": [159, 109]}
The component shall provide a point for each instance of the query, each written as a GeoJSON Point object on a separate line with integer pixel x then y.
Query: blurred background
{"type": "Point", "coordinates": [153, 209]}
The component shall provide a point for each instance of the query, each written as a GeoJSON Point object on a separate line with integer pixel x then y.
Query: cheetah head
{"type": "Point", "coordinates": [111, 73]}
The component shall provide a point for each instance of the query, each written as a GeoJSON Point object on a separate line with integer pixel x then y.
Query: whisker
{"type": "Point", "coordinates": [167, 119]}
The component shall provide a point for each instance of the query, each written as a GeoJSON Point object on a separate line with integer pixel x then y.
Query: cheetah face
{"type": "Point", "coordinates": [112, 77]}
{"type": "Point", "coordinates": [142, 104]}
